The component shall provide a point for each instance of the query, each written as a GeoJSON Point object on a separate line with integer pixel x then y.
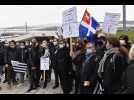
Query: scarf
{"type": "Point", "coordinates": [103, 60]}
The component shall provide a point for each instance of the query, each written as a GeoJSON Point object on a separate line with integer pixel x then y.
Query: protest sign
{"type": "Point", "coordinates": [69, 22]}
{"type": "Point", "coordinates": [44, 63]}
{"type": "Point", "coordinates": [111, 22]}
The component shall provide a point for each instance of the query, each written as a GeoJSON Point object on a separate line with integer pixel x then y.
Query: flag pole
{"type": "Point", "coordinates": [71, 47]}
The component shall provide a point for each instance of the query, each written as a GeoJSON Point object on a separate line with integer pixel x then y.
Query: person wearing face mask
{"type": "Point", "coordinates": [23, 58]}
{"type": "Point", "coordinates": [6, 45]}
{"type": "Point", "coordinates": [11, 53]}
{"type": "Point", "coordinates": [77, 59]}
{"type": "Point", "coordinates": [34, 65]}
{"type": "Point", "coordinates": [89, 70]}
{"type": "Point", "coordinates": [53, 63]}
{"type": "Point", "coordinates": [64, 67]}
{"type": "Point", "coordinates": [112, 66]}
{"type": "Point", "coordinates": [51, 48]}
{"type": "Point", "coordinates": [1, 60]}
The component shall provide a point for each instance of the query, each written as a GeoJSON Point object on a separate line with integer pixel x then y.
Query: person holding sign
{"type": "Point", "coordinates": [45, 62]}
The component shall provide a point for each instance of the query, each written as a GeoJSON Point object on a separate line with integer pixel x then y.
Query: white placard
{"type": "Point", "coordinates": [74, 29]}
{"type": "Point", "coordinates": [69, 21]}
{"type": "Point", "coordinates": [44, 63]}
{"type": "Point", "coordinates": [111, 22]}
{"type": "Point", "coordinates": [70, 16]}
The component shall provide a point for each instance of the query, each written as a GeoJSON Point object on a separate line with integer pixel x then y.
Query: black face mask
{"type": "Point", "coordinates": [78, 47]}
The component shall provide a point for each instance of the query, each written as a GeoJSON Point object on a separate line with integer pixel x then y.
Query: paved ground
{"type": "Point", "coordinates": [21, 89]}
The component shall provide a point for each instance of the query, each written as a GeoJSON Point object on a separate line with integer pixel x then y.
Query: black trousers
{"type": "Point", "coordinates": [47, 77]}
{"type": "Point", "coordinates": [56, 76]}
{"type": "Point", "coordinates": [49, 72]}
{"type": "Point", "coordinates": [5, 74]}
{"type": "Point", "coordinates": [11, 76]}
{"type": "Point", "coordinates": [77, 80]}
{"type": "Point", "coordinates": [66, 82]}
{"type": "Point", "coordinates": [34, 77]}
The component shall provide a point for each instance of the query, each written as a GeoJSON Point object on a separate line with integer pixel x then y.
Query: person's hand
{"type": "Point", "coordinates": [71, 53]}
{"type": "Point", "coordinates": [86, 83]}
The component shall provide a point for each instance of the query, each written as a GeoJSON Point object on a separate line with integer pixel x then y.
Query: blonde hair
{"type": "Point", "coordinates": [131, 53]}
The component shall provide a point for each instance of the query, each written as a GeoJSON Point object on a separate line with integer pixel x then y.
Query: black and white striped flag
{"type": "Point", "coordinates": [19, 67]}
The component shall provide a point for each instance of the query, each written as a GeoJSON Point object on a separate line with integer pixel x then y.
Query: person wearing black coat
{"type": "Point", "coordinates": [77, 59]}
{"type": "Point", "coordinates": [11, 53]}
{"type": "Point", "coordinates": [111, 67]}
{"type": "Point", "coordinates": [1, 59]}
{"type": "Point", "coordinates": [51, 48]}
{"type": "Point", "coordinates": [64, 67]}
{"type": "Point", "coordinates": [6, 46]}
{"type": "Point", "coordinates": [53, 63]}
{"type": "Point", "coordinates": [34, 64]}
{"type": "Point", "coordinates": [89, 70]}
{"type": "Point", "coordinates": [130, 72]}
{"type": "Point", "coordinates": [23, 58]}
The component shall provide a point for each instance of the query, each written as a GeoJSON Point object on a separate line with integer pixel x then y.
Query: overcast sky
{"type": "Point", "coordinates": [17, 15]}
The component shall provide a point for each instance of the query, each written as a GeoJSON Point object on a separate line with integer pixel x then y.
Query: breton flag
{"type": "Point", "coordinates": [88, 26]}
{"type": "Point", "coordinates": [19, 67]}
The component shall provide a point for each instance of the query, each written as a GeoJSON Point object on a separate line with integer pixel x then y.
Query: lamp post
{"type": "Point", "coordinates": [124, 18]}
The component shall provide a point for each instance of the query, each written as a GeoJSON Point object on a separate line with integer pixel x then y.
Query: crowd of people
{"type": "Point", "coordinates": [105, 66]}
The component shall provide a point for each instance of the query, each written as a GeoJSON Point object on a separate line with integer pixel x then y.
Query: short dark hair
{"type": "Point", "coordinates": [12, 41]}
{"type": "Point", "coordinates": [22, 42]}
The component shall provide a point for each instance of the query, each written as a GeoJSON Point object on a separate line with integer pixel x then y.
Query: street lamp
{"type": "Point", "coordinates": [124, 18]}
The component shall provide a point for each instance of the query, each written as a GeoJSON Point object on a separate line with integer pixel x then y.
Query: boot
{"type": "Point", "coordinates": [45, 85]}
{"type": "Point", "coordinates": [55, 86]}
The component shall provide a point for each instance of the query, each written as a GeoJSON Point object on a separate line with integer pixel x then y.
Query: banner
{"type": "Point", "coordinates": [44, 63]}
{"type": "Point", "coordinates": [111, 23]}
{"type": "Point", "coordinates": [19, 67]}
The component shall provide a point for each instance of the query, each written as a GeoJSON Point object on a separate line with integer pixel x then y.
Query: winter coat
{"type": "Point", "coordinates": [63, 60]}
{"type": "Point", "coordinates": [78, 60]}
{"type": "Point", "coordinates": [10, 54]}
{"type": "Point", "coordinates": [23, 55]}
{"type": "Point", "coordinates": [34, 57]}
{"type": "Point", "coordinates": [89, 70]}
{"type": "Point", "coordinates": [130, 78]}
{"type": "Point", "coordinates": [2, 56]}
{"type": "Point", "coordinates": [113, 70]}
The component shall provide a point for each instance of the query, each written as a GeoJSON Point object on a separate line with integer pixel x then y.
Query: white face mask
{"type": "Point", "coordinates": [122, 42]}
{"type": "Point", "coordinates": [55, 43]}
{"type": "Point", "coordinates": [22, 46]}
{"type": "Point", "coordinates": [89, 51]}
{"type": "Point", "coordinates": [61, 45]}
